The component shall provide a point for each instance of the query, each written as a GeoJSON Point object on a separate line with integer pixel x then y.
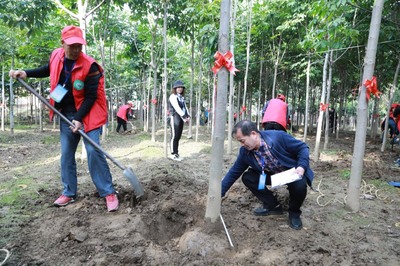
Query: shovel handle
{"type": "Point", "coordinates": [81, 132]}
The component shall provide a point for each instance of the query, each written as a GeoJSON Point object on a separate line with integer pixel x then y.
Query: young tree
{"type": "Point", "coordinates": [217, 151]}
{"type": "Point", "coordinates": [248, 38]}
{"type": "Point", "coordinates": [353, 196]}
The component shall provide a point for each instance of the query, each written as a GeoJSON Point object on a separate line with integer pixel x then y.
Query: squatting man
{"type": "Point", "coordinates": [262, 154]}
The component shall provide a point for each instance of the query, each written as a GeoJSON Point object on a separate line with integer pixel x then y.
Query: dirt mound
{"type": "Point", "coordinates": [167, 226]}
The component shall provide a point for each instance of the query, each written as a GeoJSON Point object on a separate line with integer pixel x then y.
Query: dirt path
{"type": "Point", "coordinates": [167, 228]}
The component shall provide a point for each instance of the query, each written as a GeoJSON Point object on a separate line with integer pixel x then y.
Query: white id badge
{"type": "Point", "coordinates": [58, 93]}
{"type": "Point", "coordinates": [261, 182]}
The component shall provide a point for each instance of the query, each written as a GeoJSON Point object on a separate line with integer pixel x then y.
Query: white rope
{"type": "Point", "coordinates": [8, 254]}
{"type": "Point", "coordinates": [323, 195]}
{"type": "Point", "coordinates": [367, 191]}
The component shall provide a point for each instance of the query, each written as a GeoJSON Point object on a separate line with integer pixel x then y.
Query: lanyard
{"type": "Point", "coordinates": [262, 159]}
{"type": "Point", "coordinates": [67, 72]}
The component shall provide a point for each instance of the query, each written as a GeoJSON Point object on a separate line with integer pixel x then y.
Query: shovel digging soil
{"type": "Point", "coordinates": [128, 172]}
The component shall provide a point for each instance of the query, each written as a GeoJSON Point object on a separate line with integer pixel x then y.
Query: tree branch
{"type": "Point", "coordinates": [72, 14]}
{"type": "Point", "coordinates": [94, 9]}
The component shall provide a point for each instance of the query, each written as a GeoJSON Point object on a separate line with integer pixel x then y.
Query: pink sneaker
{"type": "Point", "coordinates": [112, 202]}
{"type": "Point", "coordinates": [63, 200]}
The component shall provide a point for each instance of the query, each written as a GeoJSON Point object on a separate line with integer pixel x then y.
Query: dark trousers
{"type": "Point", "coordinates": [176, 132]}
{"type": "Point", "coordinates": [121, 122]}
{"type": "Point", "coordinates": [273, 125]}
{"type": "Point", "coordinates": [297, 192]}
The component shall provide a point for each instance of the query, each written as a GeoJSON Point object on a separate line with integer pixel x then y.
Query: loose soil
{"type": "Point", "coordinates": [167, 227]}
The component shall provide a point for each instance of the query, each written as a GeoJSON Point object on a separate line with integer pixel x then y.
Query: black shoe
{"type": "Point", "coordinates": [295, 223]}
{"type": "Point", "coordinates": [266, 211]}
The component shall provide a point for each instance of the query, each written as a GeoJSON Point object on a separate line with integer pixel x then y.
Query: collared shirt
{"type": "Point", "coordinates": [267, 162]}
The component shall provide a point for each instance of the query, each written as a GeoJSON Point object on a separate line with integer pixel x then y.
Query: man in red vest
{"type": "Point", "coordinates": [77, 90]}
{"type": "Point", "coordinates": [122, 115]}
{"type": "Point", "coordinates": [394, 115]}
{"type": "Point", "coordinates": [275, 114]}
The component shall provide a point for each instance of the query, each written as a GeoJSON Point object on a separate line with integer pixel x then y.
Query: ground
{"type": "Point", "coordinates": [167, 226]}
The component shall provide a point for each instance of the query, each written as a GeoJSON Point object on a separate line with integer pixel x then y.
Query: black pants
{"type": "Point", "coordinates": [273, 125]}
{"type": "Point", "coordinates": [297, 192]}
{"type": "Point", "coordinates": [176, 132]}
{"type": "Point", "coordinates": [121, 122]}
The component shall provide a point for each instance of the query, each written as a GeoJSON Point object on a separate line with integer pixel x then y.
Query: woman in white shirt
{"type": "Point", "coordinates": [179, 115]}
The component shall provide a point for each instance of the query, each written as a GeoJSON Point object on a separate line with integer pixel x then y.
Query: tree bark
{"type": "Point", "coordinates": [247, 53]}
{"type": "Point", "coordinates": [165, 79]}
{"type": "Point", "coordinates": [328, 100]}
{"type": "Point", "coordinates": [353, 197]}
{"type": "Point", "coordinates": [321, 113]}
{"type": "Point", "coordinates": [307, 98]}
{"type": "Point", "coordinates": [213, 209]}
{"type": "Point", "coordinates": [231, 84]}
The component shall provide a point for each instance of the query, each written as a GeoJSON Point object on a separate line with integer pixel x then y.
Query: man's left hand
{"type": "Point", "coordinates": [300, 171]}
{"type": "Point", "coordinates": [78, 126]}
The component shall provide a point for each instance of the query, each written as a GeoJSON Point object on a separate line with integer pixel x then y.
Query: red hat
{"type": "Point", "coordinates": [281, 97]}
{"type": "Point", "coordinates": [72, 34]}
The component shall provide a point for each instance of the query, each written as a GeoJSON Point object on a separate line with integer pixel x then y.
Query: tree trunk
{"type": "Point", "coordinates": [12, 102]}
{"type": "Point", "coordinates": [249, 21]}
{"type": "Point", "coordinates": [213, 209]}
{"type": "Point", "coordinates": [3, 100]}
{"type": "Point", "coordinates": [154, 92]}
{"type": "Point", "coordinates": [199, 94]}
{"type": "Point", "coordinates": [328, 99]}
{"type": "Point", "coordinates": [276, 64]}
{"type": "Point", "coordinates": [307, 98]}
{"type": "Point", "coordinates": [165, 80]}
{"type": "Point", "coordinates": [231, 84]}
{"type": "Point", "coordinates": [258, 117]}
{"type": "Point", "coordinates": [321, 113]}
{"type": "Point", "coordinates": [353, 197]}
{"type": "Point", "coordinates": [191, 86]}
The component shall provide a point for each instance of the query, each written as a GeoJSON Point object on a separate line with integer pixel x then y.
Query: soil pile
{"type": "Point", "coordinates": [167, 227]}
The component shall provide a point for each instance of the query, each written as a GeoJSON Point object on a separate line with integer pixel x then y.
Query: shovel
{"type": "Point", "coordinates": [128, 172]}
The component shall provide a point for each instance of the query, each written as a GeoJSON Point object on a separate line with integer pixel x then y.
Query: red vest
{"type": "Point", "coordinates": [276, 112]}
{"type": "Point", "coordinates": [97, 115]}
{"type": "Point", "coordinates": [122, 111]}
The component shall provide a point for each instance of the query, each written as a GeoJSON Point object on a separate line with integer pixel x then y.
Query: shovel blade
{"type": "Point", "coordinates": [132, 178]}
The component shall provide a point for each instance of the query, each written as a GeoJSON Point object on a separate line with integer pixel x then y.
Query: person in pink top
{"type": "Point", "coordinates": [275, 114]}
{"type": "Point", "coordinates": [122, 115]}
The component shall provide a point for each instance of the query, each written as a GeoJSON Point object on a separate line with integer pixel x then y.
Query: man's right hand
{"type": "Point", "coordinates": [17, 74]}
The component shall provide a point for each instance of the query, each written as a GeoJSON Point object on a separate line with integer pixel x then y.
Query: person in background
{"type": "Point", "coordinates": [123, 115]}
{"type": "Point", "coordinates": [332, 119]}
{"type": "Point", "coordinates": [77, 90]}
{"type": "Point", "coordinates": [262, 154]}
{"type": "Point", "coordinates": [178, 116]}
{"type": "Point", "coordinates": [276, 114]}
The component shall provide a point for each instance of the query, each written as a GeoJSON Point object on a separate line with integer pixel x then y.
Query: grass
{"type": "Point", "coordinates": [345, 174]}
{"type": "Point", "coordinates": [206, 150]}
{"type": "Point", "coordinates": [17, 204]}
{"type": "Point", "coordinates": [17, 192]}
{"type": "Point", "coordinates": [50, 139]}
{"type": "Point", "coordinates": [384, 186]}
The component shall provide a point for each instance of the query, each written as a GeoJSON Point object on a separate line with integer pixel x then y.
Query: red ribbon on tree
{"type": "Point", "coordinates": [372, 88]}
{"type": "Point", "coordinates": [322, 106]}
{"type": "Point", "coordinates": [154, 101]}
{"type": "Point", "coordinates": [224, 61]}
{"type": "Point", "coordinates": [244, 108]}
